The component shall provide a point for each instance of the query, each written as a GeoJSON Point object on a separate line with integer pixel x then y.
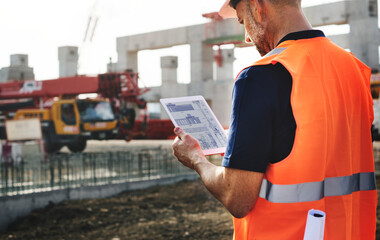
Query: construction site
{"type": "Point", "coordinates": [90, 156]}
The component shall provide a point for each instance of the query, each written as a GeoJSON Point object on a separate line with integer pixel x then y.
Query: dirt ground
{"type": "Point", "coordinates": [181, 211]}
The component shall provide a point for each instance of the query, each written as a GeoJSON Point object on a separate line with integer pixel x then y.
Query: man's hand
{"type": "Point", "coordinates": [187, 149]}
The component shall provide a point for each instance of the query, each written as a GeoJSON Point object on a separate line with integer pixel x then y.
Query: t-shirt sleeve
{"type": "Point", "coordinates": [250, 139]}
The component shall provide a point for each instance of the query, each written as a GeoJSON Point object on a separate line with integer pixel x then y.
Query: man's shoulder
{"type": "Point", "coordinates": [270, 71]}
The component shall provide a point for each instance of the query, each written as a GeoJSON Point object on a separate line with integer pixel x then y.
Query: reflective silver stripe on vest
{"type": "Point", "coordinates": [313, 191]}
{"type": "Point", "coordinates": [274, 51]}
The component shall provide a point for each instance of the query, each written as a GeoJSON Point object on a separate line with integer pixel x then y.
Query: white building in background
{"type": "Point", "coordinates": [18, 70]}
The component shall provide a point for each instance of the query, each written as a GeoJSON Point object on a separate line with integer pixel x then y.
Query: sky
{"type": "Point", "coordinates": [39, 27]}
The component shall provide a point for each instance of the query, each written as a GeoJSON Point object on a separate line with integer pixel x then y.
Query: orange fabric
{"type": "Point", "coordinates": [332, 107]}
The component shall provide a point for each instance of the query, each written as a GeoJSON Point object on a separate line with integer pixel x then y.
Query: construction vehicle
{"type": "Point", "coordinates": [69, 121]}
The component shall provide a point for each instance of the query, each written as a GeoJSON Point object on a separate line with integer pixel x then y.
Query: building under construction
{"type": "Point", "coordinates": [362, 40]}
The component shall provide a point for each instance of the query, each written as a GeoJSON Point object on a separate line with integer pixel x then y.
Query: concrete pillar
{"type": "Point", "coordinates": [364, 33]}
{"type": "Point", "coordinates": [111, 66]}
{"type": "Point", "coordinates": [169, 65]}
{"type": "Point", "coordinates": [222, 101]}
{"type": "Point", "coordinates": [68, 61]}
{"type": "Point", "coordinates": [202, 59]}
{"type": "Point", "coordinates": [226, 71]}
{"type": "Point", "coordinates": [169, 87]}
{"type": "Point", "coordinates": [127, 60]}
{"type": "Point", "coordinates": [18, 70]}
{"type": "Point", "coordinates": [220, 91]}
{"type": "Point", "coordinates": [19, 60]}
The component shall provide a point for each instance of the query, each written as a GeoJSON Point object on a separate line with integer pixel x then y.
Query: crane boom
{"type": "Point", "coordinates": [49, 88]}
{"type": "Point", "coordinates": [109, 85]}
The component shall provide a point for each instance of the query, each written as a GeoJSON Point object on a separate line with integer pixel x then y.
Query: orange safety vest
{"type": "Point", "coordinates": [331, 165]}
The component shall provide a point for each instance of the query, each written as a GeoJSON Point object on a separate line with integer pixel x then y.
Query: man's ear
{"type": "Point", "coordinates": [257, 8]}
{"type": "Point", "coordinates": [247, 37]}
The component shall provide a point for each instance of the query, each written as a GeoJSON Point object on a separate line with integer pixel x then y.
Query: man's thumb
{"type": "Point", "coordinates": [179, 132]}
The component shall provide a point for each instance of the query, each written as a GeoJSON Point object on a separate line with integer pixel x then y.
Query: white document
{"type": "Point", "coordinates": [196, 118]}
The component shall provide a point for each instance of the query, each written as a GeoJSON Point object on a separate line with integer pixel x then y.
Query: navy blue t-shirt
{"type": "Point", "coordinates": [262, 126]}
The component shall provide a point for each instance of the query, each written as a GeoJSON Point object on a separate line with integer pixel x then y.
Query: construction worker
{"type": "Point", "coordinates": [300, 133]}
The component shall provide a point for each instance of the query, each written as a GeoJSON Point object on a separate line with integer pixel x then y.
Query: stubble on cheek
{"type": "Point", "coordinates": [257, 34]}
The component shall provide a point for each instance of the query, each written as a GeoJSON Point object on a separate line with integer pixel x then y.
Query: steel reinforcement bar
{"type": "Point", "coordinates": [63, 170]}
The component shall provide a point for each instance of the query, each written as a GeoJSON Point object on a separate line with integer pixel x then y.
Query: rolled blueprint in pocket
{"type": "Point", "coordinates": [315, 225]}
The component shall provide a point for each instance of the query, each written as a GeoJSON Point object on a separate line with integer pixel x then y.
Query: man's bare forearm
{"type": "Point", "coordinates": [236, 189]}
{"type": "Point", "coordinates": [213, 178]}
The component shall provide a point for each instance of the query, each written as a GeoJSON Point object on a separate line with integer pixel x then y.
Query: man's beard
{"type": "Point", "coordinates": [256, 33]}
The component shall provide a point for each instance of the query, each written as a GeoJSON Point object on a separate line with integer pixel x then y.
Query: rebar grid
{"type": "Point", "coordinates": [36, 173]}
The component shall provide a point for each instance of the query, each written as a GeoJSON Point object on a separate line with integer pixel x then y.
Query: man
{"type": "Point", "coordinates": [300, 133]}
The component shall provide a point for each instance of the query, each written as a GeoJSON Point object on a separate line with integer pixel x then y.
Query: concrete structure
{"type": "Point", "coordinates": [363, 40]}
{"type": "Point", "coordinates": [18, 70]}
{"type": "Point", "coordinates": [216, 91]}
{"type": "Point", "coordinates": [362, 16]}
{"type": "Point", "coordinates": [68, 61]}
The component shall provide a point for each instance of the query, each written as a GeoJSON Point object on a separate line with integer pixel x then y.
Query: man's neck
{"type": "Point", "coordinates": [292, 20]}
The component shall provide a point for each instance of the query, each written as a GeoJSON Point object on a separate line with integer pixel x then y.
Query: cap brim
{"type": "Point", "coordinates": [227, 11]}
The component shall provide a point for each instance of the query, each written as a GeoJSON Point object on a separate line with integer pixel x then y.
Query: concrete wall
{"type": "Point", "coordinates": [13, 207]}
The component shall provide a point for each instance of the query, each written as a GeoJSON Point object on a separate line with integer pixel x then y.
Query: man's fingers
{"type": "Point", "coordinates": [179, 132]}
{"type": "Point", "coordinates": [176, 142]}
